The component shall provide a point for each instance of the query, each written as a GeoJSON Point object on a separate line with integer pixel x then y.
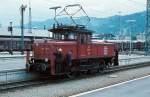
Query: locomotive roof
{"type": "Point", "coordinates": [117, 41]}
{"type": "Point", "coordinates": [56, 42]}
{"type": "Point", "coordinates": [70, 28]}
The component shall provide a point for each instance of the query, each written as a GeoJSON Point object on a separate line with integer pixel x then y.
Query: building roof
{"type": "Point", "coordinates": [17, 32]}
{"type": "Point", "coordinates": [117, 41]}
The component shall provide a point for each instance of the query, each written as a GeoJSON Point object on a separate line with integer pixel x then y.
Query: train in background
{"type": "Point", "coordinates": [124, 45]}
{"type": "Point", "coordinates": [135, 46]}
{"type": "Point", "coordinates": [5, 43]}
{"type": "Point", "coordinates": [8, 42]}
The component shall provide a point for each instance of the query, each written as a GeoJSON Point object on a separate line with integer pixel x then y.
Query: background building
{"type": "Point", "coordinates": [8, 42]}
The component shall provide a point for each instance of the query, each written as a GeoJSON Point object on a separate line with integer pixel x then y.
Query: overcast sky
{"type": "Point", "coordinates": [9, 9]}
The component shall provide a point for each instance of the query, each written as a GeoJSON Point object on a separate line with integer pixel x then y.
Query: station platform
{"type": "Point", "coordinates": [134, 88]}
{"type": "Point", "coordinates": [7, 55]}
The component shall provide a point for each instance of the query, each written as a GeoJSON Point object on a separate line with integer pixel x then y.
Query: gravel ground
{"type": "Point", "coordinates": [64, 89]}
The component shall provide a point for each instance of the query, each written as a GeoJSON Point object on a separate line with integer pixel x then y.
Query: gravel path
{"type": "Point", "coordinates": [64, 89]}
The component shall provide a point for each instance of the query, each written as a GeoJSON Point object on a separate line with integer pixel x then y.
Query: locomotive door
{"type": "Point", "coordinates": [84, 45]}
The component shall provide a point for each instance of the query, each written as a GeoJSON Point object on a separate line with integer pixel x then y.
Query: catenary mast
{"type": "Point", "coordinates": [30, 17]}
{"type": "Point", "coordinates": [147, 35]}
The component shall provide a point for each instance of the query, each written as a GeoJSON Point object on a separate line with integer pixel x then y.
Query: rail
{"type": "Point", "coordinates": [20, 78]}
{"type": "Point", "coordinates": [13, 76]}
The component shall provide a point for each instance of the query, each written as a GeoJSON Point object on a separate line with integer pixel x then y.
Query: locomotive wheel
{"type": "Point", "coordinates": [101, 65]}
{"type": "Point", "coordinates": [89, 72]}
{"type": "Point", "coordinates": [72, 75]}
{"type": "Point", "coordinates": [43, 67]}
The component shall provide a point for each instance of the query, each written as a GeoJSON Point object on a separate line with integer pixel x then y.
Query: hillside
{"type": "Point", "coordinates": [104, 25]}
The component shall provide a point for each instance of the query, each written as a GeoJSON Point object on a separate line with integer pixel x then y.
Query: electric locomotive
{"type": "Point", "coordinates": [70, 51]}
{"type": "Point", "coordinates": [51, 56]}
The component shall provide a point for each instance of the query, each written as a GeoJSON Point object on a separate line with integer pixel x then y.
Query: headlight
{"type": "Point", "coordinates": [33, 61]}
{"type": "Point", "coordinates": [46, 59]}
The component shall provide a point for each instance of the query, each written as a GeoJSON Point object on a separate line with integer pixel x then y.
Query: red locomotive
{"type": "Point", "coordinates": [71, 51]}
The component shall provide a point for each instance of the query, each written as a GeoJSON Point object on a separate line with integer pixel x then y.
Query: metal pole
{"type": "Point", "coordinates": [11, 38]}
{"type": "Point", "coordinates": [120, 32]}
{"type": "Point", "coordinates": [131, 23]}
{"type": "Point", "coordinates": [147, 45]}
{"type": "Point", "coordinates": [30, 18]}
{"type": "Point", "coordinates": [22, 28]}
{"type": "Point", "coordinates": [55, 9]}
{"type": "Point", "coordinates": [130, 41]}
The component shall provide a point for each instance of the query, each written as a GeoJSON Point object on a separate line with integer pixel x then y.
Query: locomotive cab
{"type": "Point", "coordinates": [72, 33]}
{"type": "Point", "coordinates": [43, 54]}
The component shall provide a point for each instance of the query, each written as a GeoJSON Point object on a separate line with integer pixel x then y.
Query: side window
{"type": "Point", "coordinates": [88, 38]}
{"type": "Point", "coordinates": [82, 39]}
{"type": "Point", "coordinates": [63, 37]}
{"type": "Point", "coordinates": [72, 36]}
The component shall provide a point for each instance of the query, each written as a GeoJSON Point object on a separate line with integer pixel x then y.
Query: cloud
{"type": "Point", "coordinates": [40, 8]}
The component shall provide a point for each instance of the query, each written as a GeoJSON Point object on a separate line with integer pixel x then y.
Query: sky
{"type": "Point", "coordinates": [9, 9]}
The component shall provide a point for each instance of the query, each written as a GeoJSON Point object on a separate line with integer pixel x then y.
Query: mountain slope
{"type": "Point", "coordinates": [104, 25]}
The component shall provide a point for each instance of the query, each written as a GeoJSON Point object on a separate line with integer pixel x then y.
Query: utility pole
{"type": "Point", "coordinates": [10, 28]}
{"type": "Point", "coordinates": [120, 32]}
{"type": "Point", "coordinates": [147, 34]}
{"type": "Point", "coordinates": [131, 22]}
{"type": "Point", "coordinates": [22, 10]}
{"type": "Point", "coordinates": [30, 17]}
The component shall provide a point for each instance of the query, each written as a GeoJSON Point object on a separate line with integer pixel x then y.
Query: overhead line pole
{"type": "Point", "coordinates": [147, 34]}
{"type": "Point", "coordinates": [30, 17]}
{"type": "Point", "coordinates": [22, 9]}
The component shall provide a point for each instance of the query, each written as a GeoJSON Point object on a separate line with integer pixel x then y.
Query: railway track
{"type": "Point", "coordinates": [38, 81]}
